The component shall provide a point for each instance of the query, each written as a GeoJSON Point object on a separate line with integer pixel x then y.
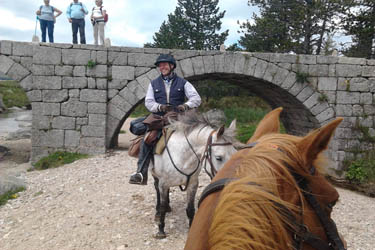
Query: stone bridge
{"type": "Point", "coordinates": [82, 94]}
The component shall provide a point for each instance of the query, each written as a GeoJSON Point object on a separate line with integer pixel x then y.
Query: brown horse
{"type": "Point", "coordinates": [261, 198]}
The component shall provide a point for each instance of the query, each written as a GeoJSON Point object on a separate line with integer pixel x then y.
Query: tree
{"type": "Point", "coordinates": [360, 24]}
{"type": "Point", "coordinates": [298, 26]}
{"type": "Point", "coordinates": [193, 25]}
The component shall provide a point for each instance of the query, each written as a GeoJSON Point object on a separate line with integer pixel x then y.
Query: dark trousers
{"type": "Point", "coordinates": [78, 24]}
{"type": "Point", "coordinates": [44, 26]}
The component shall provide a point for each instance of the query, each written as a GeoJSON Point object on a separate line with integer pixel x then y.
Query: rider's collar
{"type": "Point", "coordinates": [169, 77]}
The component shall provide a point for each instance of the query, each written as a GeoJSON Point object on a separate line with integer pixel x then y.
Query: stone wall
{"type": "Point", "coordinates": [82, 94]}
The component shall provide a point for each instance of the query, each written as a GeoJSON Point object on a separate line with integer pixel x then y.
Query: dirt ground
{"type": "Point", "coordinates": [90, 205]}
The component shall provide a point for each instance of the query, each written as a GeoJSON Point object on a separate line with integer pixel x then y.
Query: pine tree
{"type": "Point", "coordinates": [193, 25]}
{"type": "Point", "coordinates": [360, 24]}
{"type": "Point", "coordinates": [285, 26]}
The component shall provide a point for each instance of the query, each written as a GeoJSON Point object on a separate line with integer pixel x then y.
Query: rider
{"type": "Point", "coordinates": [163, 92]}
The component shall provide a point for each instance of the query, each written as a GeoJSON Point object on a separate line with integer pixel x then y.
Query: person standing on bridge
{"type": "Point", "coordinates": [166, 90]}
{"type": "Point", "coordinates": [76, 16]}
{"type": "Point", "coordinates": [47, 20]}
{"type": "Point", "coordinates": [98, 21]}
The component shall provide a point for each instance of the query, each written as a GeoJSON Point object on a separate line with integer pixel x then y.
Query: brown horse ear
{"type": "Point", "coordinates": [317, 141]}
{"type": "Point", "coordinates": [269, 124]}
{"type": "Point", "coordinates": [220, 132]}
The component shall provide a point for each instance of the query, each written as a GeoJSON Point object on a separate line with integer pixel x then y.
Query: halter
{"type": "Point", "coordinates": [207, 155]}
{"type": "Point", "coordinates": [303, 234]}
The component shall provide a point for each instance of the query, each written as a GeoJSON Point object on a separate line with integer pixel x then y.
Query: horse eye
{"type": "Point", "coordinates": [218, 158]}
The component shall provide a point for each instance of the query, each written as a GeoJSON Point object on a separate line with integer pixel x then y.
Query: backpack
{"type": "Point", "coordinates": [105, 16]}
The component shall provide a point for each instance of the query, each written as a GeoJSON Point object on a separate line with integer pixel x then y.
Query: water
{"type": "Point", "coordinates": [15, 123]}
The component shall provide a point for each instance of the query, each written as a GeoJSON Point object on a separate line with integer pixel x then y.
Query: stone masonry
{"type": "Point", "coordinates": [82, 94]}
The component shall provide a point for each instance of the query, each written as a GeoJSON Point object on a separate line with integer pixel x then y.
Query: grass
{"type": "Point", "coordinates": [10, 195]}
{"type": "Point", "coordinates": [13, 94]}
{"type": "Point", "coordinates": [58, 159]}
{"type": "Point", "coordinates": [362, 169]}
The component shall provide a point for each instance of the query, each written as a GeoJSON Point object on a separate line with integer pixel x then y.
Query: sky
{"type": "Point", "coordinates": [132, 23]}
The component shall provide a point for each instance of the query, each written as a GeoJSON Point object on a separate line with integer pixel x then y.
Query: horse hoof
{"type": "Point", "coordinates": [169, 209]}
{"type": "Point", "coordinates": [160, 235]}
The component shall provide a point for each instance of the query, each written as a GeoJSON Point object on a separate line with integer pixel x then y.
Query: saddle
{"type": "Point", "coordinates": [154, 124]}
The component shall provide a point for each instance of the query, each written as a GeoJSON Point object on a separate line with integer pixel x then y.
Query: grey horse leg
{"type": "Point", "coordinates": [163, 210]}
{"type": "Point", "coordinates": [169, 209]}
{"type": "Point", "coordinates": [190, 210]}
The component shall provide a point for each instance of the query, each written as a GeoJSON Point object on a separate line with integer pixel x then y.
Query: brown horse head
{"type": "Point", "coordinates": [263, 207]}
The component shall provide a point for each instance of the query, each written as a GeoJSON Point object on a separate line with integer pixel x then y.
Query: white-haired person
{"type": "Point", "coordinates": [98, 21]}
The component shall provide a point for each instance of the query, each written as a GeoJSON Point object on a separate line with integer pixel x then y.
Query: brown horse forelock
{"type": "Point", "coordinates": [265, 165]}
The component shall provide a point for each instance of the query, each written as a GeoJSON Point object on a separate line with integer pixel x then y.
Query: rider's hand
{"type": "Point", "coordinates": [163, 108]}
{"type": "Point", "coordinates": [182, 107]}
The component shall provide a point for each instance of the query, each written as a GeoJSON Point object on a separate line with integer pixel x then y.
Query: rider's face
{"type": "Point", "coordinates": [165, 68]}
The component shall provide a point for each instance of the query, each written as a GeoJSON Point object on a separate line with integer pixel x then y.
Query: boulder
{"type": "Point", "coordinates": [8, 183]}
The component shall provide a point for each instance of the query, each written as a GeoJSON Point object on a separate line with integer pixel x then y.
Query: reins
{"type": "Point", "coordinates": [207, 155]}
{"type": "Point", "coordinates": [302, 234]}
{"type": "Point", "coordinates": [188, 176]}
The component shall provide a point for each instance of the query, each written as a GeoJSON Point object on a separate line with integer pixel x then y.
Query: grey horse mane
{"type": "Point", "coordinates": [192, 120]}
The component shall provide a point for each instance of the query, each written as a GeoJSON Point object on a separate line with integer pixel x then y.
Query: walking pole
{"type": "Point", "coordinates": [35, 38]}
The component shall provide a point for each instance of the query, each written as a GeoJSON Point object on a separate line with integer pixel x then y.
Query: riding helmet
{"type": "Point", "coordinates": [165, 58]}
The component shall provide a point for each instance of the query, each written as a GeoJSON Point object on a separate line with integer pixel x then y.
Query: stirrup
{"type": "Point", "coordinates": [139, 182]}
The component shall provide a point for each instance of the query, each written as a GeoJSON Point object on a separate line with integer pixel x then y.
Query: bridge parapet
{"type": "Point", "coordinates": [82, 94]}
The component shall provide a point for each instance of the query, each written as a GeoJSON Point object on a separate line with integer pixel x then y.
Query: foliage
{"type": "Point", "coordinates": [322, 97]}
{"type": "Point", "coordinates": [58, 159]}
{"type": "Point", "coordinates": [13, 94]}
{"type": "Point", "coordinates": [139, 111]}
{"type": "Point", "coordinates": [359, 22]}
{"type": "Point", "coordinates": [362, 170]}
{"type": "Point", "coordinates": [91, 64]}
{"type": "Point", "coordinates": [193, 25]}
{"type": "Point", "coordinates": [290, 26]}
{"type": "Point", "coordinates": [301, 77]}
{"type": "Point", "coordinates": [12, 194]}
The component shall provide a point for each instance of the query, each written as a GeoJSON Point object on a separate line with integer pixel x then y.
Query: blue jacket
{"type": "Point", "coordinates": [74, 11]}
{"type": "Point", "coordinates": [176, 94]}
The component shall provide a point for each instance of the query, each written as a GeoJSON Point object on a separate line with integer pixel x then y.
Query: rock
{"type": "Point", "coordinates": [8, 183]}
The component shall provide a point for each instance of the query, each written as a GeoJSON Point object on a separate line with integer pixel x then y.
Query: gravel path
{"type": "Point", "coordinates": [90, 205]}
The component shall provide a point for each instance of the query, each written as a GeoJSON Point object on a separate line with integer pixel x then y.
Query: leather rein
{"type": "Point", "coordinates": [300, 231]}
{"type": "Point", "coordinates": [207, 156]}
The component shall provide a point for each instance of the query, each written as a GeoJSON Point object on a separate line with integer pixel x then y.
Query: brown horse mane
{"type": "Point", "coordinates": [247, 215]}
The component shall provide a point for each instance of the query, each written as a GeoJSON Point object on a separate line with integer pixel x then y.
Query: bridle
{"type": "Point", "coordinates": [207, 156]}
{"type": "Point", "coordinates": [300, 231]}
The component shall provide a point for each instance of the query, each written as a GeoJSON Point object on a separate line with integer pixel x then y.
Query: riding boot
{"type": "Point", "coordinates": [145, 155]}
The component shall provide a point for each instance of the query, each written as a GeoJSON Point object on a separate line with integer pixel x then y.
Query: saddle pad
{"type": "Point", "coordinates": [160, 145]}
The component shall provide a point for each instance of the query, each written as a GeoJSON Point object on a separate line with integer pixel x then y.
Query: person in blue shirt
{"type": "Point", "coordinates": [47, 20]}
{"type": "Point", "coordinates": [76, 15]}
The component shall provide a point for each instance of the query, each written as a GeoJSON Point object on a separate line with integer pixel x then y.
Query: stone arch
{"type": "Point", "coordinates": [276, 84]}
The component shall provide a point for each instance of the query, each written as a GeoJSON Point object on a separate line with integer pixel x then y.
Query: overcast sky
{"type": "Point", "coordinates": [131, 22]}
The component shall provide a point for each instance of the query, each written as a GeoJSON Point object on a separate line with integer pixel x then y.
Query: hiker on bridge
{"type": "Point", "coordinates": [166, 91]}
{"type": "Point", "coordinates": [98, 21]}
{"type": "Point", "coordinates": [47, 20]}
{"type": "Point", "coordinates": [76, 16]}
